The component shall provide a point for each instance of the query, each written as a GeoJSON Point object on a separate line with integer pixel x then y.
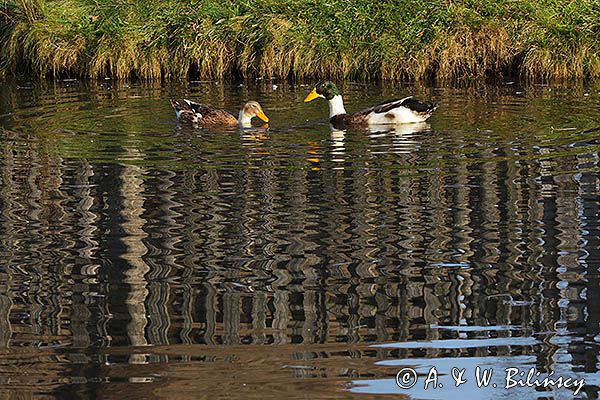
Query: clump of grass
{"type": "Point", "coordinates": [486, 51]}
{"type": "Point", "coordinates": [405, 39]}
{"type": "Point", "coordinates": [563, 41]}
{"type": "Point", "coordinates": [43, 38]}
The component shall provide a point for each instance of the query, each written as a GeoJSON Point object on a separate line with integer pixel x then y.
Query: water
{"type": "Point", "coordinates": [142, 259]}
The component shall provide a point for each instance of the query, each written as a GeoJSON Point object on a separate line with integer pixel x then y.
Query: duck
{"type": "Point", "coordinates": [197, 114]}
{"type": "Point", "coordinates": [390, 112]}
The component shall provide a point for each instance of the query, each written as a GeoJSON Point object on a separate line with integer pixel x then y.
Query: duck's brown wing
{"type": "Point", "coordinates": [216, 116]}
{"type": "Point", "coordinates": [211, 115]}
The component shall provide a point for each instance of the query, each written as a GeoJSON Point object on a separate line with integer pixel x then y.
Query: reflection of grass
{"type": "Point", "coordinates": [545, 39]}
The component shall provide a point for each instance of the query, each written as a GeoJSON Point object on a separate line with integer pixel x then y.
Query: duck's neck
{"type": "Point", "coordinates": [336, 106]}
{"type": "Point", "coordinates": [243, 119]}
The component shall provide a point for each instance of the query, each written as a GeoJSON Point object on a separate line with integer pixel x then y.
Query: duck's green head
{"type": "Point", "coordinates": [324, 89]}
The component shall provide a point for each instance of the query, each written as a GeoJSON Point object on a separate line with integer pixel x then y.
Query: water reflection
{"type": "Point", "coordinates": [323, 260]}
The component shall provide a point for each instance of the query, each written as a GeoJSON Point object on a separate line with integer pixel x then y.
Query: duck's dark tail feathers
{"type": "Point", "coordinates": [421, 107]}
{"type": "Point", "coordinates": [185, 112]}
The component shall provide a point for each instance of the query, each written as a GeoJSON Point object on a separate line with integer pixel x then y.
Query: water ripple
{"type": "Point", "coordinates": [144, 256]}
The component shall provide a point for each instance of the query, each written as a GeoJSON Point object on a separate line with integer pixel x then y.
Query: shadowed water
{"type": "Point", "coordinates": [144, 259]}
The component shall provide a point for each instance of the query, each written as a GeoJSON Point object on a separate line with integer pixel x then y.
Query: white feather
{"type": "Point", "coordinates": [398, 115]}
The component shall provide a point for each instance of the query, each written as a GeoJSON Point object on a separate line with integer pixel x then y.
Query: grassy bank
{"type": "Point", "coordinates": [402, 39]}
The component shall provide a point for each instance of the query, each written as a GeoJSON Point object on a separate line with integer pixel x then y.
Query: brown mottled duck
{"type": "Point", "coordinates": [204, 115]}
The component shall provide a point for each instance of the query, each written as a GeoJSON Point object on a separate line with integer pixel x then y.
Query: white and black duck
{"type": "Point", "coordinates": [390, 112]}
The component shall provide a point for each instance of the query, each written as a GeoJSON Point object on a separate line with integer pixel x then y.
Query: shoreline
{"type": "Point", "coordinates": [533, 40]}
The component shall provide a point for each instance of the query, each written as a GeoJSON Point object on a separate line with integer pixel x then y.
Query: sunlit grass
{"type": "Point", "coordinates": [403, 39]}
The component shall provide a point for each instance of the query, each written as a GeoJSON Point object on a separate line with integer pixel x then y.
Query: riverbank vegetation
{"type": "Point", "coordinates": [359, 39]}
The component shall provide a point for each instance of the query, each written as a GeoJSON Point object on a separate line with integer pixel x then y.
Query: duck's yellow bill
{"type": "Point", "coordinates": [262, 116]}
{"type": "Point", "coordinates": [311, 96]}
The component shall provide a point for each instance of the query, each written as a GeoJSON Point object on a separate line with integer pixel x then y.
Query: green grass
{"type": "Point", "coordinates": [362, 39]}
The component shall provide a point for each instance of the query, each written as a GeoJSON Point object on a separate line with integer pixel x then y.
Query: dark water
{"type": "Point", "coordinates": [141, 259]}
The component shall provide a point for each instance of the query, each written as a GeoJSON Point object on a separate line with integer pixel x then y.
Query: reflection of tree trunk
{"type": "Point", "coordinates": [88, 220]}
{"type": "Point", "coordinates": [87, 226]}
{"type": "Point", "coordinates": [133, 207]}
{"type": "Point", "coordinates": [231, 318]}
{"type": "Point", "coordinates": [281, 316]}
{"type": "Point", "coordinates": [259, 325]}
{"type": "Point", "coordinates": [187, 314]}
{"type": "Point", "coordinates": [309, 327]}
{"type": "Point", "coordinates": [209, 312]}
{"type": "Point", "coordinates": [5, 327]}
{"type": "Point", "coordinates": [34, 216]}
{"type": "Point", "coordinates": [463, 222]}
{"type": "Point", "coordinates": [8, 193]}
{"type": "Point", "coordinates": [163, 261]}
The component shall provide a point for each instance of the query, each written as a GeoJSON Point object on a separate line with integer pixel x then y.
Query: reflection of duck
{"type": "Point", "coordinates": [398, 111]}
{"type": "Point", "coordinates": [396, 139]}
{"type": "Point", "coordinates": [203, 115]}
{"type": "Point", "coordinates": [255, 133]}
{"type": "Point", "coordinates": [401, 129]}
{"type": "Point", "coordinates": [398, 130]}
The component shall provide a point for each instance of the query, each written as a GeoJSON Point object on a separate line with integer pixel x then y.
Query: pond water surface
{"type": "Point", "coordinates": [143, 259]}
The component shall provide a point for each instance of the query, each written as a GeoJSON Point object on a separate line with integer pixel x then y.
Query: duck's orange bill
{"type": "Point", "coordinates": [262, 116]}
{"type": "Point", "coordinates": [311, 96]}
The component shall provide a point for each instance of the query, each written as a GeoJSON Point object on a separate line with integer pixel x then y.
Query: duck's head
{"type": "Point", "coordinates": [253, 109]}
{"type": "Point", "coordinates": [324, 89]}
